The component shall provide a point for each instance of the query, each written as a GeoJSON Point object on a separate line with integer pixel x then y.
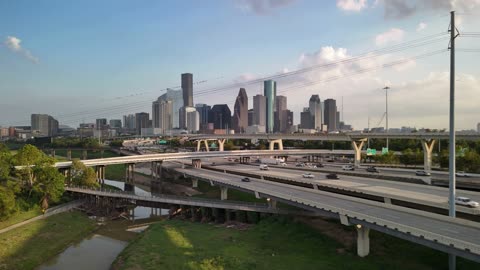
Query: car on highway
{"type": "Point", "coordinates": [320, 165]}
{"type": "Point", "coordinates": [462, 174]}
{"type": "Point", "coordinates": [245, 179]}
{"type": "Point", "coordinates": [464, 201]}
{"type": "Point", "coordinates": [332, 176]}
{"type": "Point", "coordinates": [263, 167]}
{"type": "Point", "coordinates": [372, 169]}
{"type": "Point", "coordinates": [300, 165]}
{"type": "Point", "coordinates": [348, 168]}
{"type": "Point", "coordinates": [422, 173]}
{"type": "Point", "coordinates": [308, 175]}
{"type": "Point", "coordinates": [213, 164]}
{"type": "Point", "coordinates": [283, 164]}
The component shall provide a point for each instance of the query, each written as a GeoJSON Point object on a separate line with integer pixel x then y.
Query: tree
{"type": "Point", "coordinates": [49, 185]}
{"type": "Point", "coordinates": [82, 175]}
{"type": "Point", "coordinates": [7, 202]}
{"type": "Point", "coordinates": [31, 158]}
{"type": "Point", "coordinates": [5, 162]}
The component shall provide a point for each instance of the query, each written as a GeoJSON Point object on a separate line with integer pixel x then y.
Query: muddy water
{"type": "Point", "coordinates": [99, 250]}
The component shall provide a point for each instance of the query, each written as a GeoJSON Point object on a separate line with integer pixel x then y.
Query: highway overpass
{"type": "Point", "coordinates": [455, 236]}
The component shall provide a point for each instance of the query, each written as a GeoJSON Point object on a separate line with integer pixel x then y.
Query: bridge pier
{"type": "Point", "coordinates": [272, 203]}
{"type": "Point", "coordinates": [357, 148]}
{"type": "Point", "coordinates": [223, 193]}
{"type": "Point", "coordinates": [221, 144]}
{"type": "Point", "coordinates": [130, 173]}
{"type": "Point", "coordinates": [100, 170]}
{"type": "Point", "coordinates": [197, 163]}
{"type": "Point", "coordinates": [84, 154]}
{"type": "Point", "coordinates": [69, 154]}
{"type": "Point", "coordinates": [199, 145]}
{"type": "Point", "coordinates": [53, 153]}
{"type": "Point", "coordinates": [427, 146]}
{"type": "Point", "coordinates": [363, 241]}
{"type": "Point", "coordinates": [273, 142]}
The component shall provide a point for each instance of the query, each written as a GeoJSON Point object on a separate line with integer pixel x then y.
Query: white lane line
{"type": "Point", "coordinates": [448, 230]}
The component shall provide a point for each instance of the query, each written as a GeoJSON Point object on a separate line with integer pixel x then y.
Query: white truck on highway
{"type": "Point", "coordinates": [272, 161]}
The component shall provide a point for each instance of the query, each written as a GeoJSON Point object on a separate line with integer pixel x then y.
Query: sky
{"type": "Point", "coordinates": [82, 60]}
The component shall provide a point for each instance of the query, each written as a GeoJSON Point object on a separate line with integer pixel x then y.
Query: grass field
{"type": "Point", "coordinates": [20, 216]}
{"type": "Point", "coordinates": [272, 244]}
{"type": "Point", "coordinates": [29, 246]}
{"type": "Point", "coordinates": [234, 195]}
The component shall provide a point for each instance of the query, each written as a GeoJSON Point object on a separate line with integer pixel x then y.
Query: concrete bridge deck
{"type": "Point", "coordinates": [190, 201]}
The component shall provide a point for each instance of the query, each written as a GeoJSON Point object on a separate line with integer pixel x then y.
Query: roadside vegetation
{"type": "Point", "coordinates": [35, 185]}
{"type": "Point", "coordinates": [274, 243]}
{"type": "Point", "coordinates": [29, 246]}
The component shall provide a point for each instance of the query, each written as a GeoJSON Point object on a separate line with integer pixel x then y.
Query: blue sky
{"type": "Point", "coordinates": [82, 56]}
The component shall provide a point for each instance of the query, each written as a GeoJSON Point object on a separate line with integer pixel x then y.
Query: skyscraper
{"type": "Point", "coordinates": [306, 119]}
{"type": "Point", "coordinates": [240, 112]}
{"type": "Point", "coordinates": [280, 114]}
{"type": "Point", "coordinates": [141, 121]}
{"type": "Point", "coordinates": [204, 112]}
{"type": "Point", "coordinates": [331, 114]}
{"type": "Point", "coordinates": [115, 123]}
{"type": "Point", "coordinates": [187, 88]}
{"type": "Point", "coordinates": [251, 115]}
{"type": "Point", "coordinates": [129, 122]}
{"type": "Point", "coordinates": [270, 92]}
{"type": "Point", "coordinates": [101, 123]}
{"type": "Point", "coordinates": [316, 111]}
{"type": "Point", "coordinates": [221, 116]}
{"type": "Point", "coordinates": [259, 110]}
{"type": "Point", "coordinates": [43, 125]}
{"type": "Point", "coordinates": [162, 115]}
{"type": "Point", "coordinates": [193, 119]}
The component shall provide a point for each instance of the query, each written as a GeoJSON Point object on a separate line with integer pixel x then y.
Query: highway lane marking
{"type": "Point", "coordinates": [448, 230]}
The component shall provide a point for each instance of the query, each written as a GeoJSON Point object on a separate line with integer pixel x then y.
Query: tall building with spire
{"type": "Point", "coordinates": [240, 112]}
{"type": "Point", "coordinates": [315, 107]}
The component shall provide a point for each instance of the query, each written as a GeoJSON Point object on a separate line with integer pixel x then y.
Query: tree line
{"type": "Point", "coordinates": [28, 178]}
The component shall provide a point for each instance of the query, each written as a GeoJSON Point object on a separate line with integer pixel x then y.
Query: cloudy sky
{"type": "Point", "coordinates": [81, 60]}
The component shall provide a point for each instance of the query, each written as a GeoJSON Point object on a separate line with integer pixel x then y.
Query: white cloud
{"type": "Point", "coordinates": [398, 9]}
{"type": "Point", "coordinates": [393, 35]}
{"type": "Point", "coordinates": [13, 44]}
{"type": "Point", "coordinates": [352, 5]}
{"type": "Point", "coordinates": [421, 26]}
{"type": "Point", "coordinates": [262, 7]}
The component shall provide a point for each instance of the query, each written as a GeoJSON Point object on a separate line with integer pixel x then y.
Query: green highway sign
{"type": "Point", "coordinates": [371, 152]}
{"type": "Point", "coordinates": [384, 150]}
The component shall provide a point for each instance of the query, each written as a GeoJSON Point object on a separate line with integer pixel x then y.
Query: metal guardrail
{"type": "Point", "coordinates": [448, 241]}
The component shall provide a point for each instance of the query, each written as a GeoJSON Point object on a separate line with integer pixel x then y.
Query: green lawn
{"type": "Point", "coordinates": [29, 246]}
{"type": "Point", "coordinates": [21, 216]}
{"type": "Point", "coordinates": [271, 244]}
{"type": "Point", "coordinates": [115, 172]}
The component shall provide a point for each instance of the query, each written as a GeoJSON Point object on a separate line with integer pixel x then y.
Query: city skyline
{"type": "Point", "coordinates": [112, 97]}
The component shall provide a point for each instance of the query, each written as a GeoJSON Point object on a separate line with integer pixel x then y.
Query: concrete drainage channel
{"type": "Point", "coordinates": [351, 193]}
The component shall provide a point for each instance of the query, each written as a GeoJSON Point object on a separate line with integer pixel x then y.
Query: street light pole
{"type": "Point", "coordinates": [386, 110]}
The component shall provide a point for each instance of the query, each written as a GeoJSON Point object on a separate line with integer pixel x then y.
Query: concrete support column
{"type": "Point", "coordinates": [197, 163]}
{"type": "Point", "coordinates": [363, 241]}
{"type": "Point", "coordinates": [53, 153]}
{"type": "Point", "coordinates": [69, 154]}
{"type": "Point", "coordinates": [102, 174]}
{"type": "Point", "coordinates": [130, 173]}
{"type": "Point", "coordinates": [427, 146]}
{"type": "Point", "coordinates": [272, 203]}
{"type": "Point", "coordinates": [223, 193]}
{"type": "Point", "coordinates": [221, 144]}
{"type": "Point", "coordinates": [199, 144]}
{"type": "Point", "coordinates": [273, 142]}
{"type": "Point", "coordinates": [84, 154]}
{"type": "Point", "coordinates": [194, 183]}
{"type": "Point", "coordinates": [206, 145]}
{"type": "Point", "coordinates": [357, 148]}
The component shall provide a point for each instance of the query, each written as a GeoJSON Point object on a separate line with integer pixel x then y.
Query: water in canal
{"type": "Point", "coordinates": [99, 250]}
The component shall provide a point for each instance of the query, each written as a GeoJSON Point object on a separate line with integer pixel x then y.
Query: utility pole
{"type": "Point", "coordinates": [451, 159]}
{"type": "Point", "coordinates": [386, 111]}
